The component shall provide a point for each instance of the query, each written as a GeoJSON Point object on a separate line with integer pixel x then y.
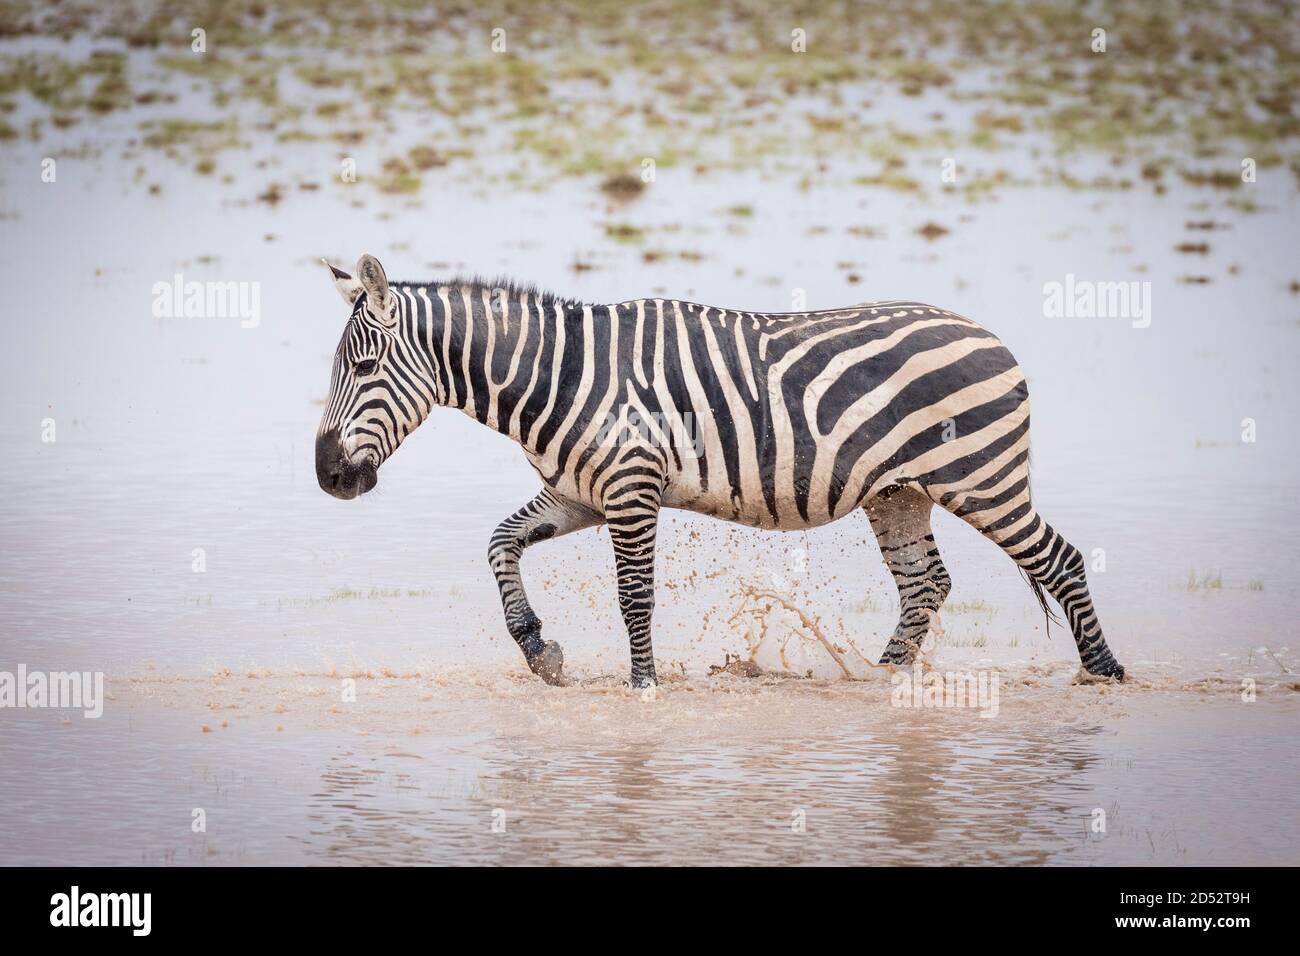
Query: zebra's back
{"type": "Point", "coordinates": [792, 420]}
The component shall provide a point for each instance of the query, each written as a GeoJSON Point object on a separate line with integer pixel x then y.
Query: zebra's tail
{"type": "Point", "coordinates": [1042, 601]}
{"type": "Point", "coordinates": [1048, 614]}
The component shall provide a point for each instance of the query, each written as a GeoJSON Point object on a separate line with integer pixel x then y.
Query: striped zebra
{"type": "Point", "coordinates": [779, 421]}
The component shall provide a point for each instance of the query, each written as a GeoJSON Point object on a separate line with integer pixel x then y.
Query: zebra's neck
{"type": "Point", "coordinates": [495, 352]}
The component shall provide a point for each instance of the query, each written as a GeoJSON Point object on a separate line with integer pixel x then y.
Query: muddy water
{"type": "Point", "coordinates": [185, 444]}
{"type": "Point", "coordinates": [475, 767]}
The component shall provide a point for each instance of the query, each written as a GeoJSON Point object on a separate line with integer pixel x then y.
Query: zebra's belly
{"type": "Point", "coordinates": [720, 501]}
{"type": "Point", "coordinates": [703, 486]}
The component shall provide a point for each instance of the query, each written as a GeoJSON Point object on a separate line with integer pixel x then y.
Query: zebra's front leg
{"type": "Point", "coordinates": [546, 516]}
{"type": "Point", "coordinates": [633, 520]}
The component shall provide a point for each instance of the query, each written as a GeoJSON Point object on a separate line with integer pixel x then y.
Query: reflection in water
{"type": "Point", "coordinates": [720, 770]}
{"type": "Point", "coordinates": [918, 799]}
{"type": "Point", "coordinates": [924, 789]}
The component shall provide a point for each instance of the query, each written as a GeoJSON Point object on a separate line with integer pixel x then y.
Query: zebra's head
{"type": "Point", "coordinates": [365, 416]}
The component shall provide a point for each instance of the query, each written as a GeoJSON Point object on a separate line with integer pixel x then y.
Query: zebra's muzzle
{"type": "Point", "coordinates": [338, 476]}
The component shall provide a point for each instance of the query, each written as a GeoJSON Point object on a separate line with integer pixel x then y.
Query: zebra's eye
{"type": "Point", "coordinates": [365, 367]}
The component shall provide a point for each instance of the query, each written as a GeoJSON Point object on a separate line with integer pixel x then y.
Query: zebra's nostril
{"type": "Point", "coordinates": [335, 477]}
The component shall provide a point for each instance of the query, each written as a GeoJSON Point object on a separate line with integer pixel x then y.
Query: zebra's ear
{"type": "Point", "coordinates": [348, 287]}
{"type": "Point", "coordinates": [375, 282]}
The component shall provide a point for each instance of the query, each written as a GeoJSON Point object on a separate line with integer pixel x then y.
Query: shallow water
{"type": "Point", "coordinates": [418, 769]}
{"type": "Point", "coordinates": [183, 434]}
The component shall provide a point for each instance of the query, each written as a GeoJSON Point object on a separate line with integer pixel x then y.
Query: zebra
{"type": "Point", "coordinates": [796, 420]}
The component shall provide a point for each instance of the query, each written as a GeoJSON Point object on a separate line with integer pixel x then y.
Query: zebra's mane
{"type": "Point", "coordinates": [512, 288]}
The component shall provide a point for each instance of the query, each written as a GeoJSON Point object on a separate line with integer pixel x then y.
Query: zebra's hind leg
{"type": "Point", "coordinates": [1004, 514]}
{"type": "Point", "coordinates": [901, 520]}
{"type": "Point", "coordinates": [546, 516]}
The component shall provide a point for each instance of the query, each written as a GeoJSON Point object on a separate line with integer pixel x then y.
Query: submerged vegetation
{"type": "Point", "coordinates": [589, 88]}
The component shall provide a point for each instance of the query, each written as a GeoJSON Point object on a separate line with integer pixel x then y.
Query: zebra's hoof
{"type": "Point", "coordinates": [642, 681]}
{"type": "Point", "coordinates": [1098, 673]}
{"type": "Point", "coordinates": [548, 664]}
